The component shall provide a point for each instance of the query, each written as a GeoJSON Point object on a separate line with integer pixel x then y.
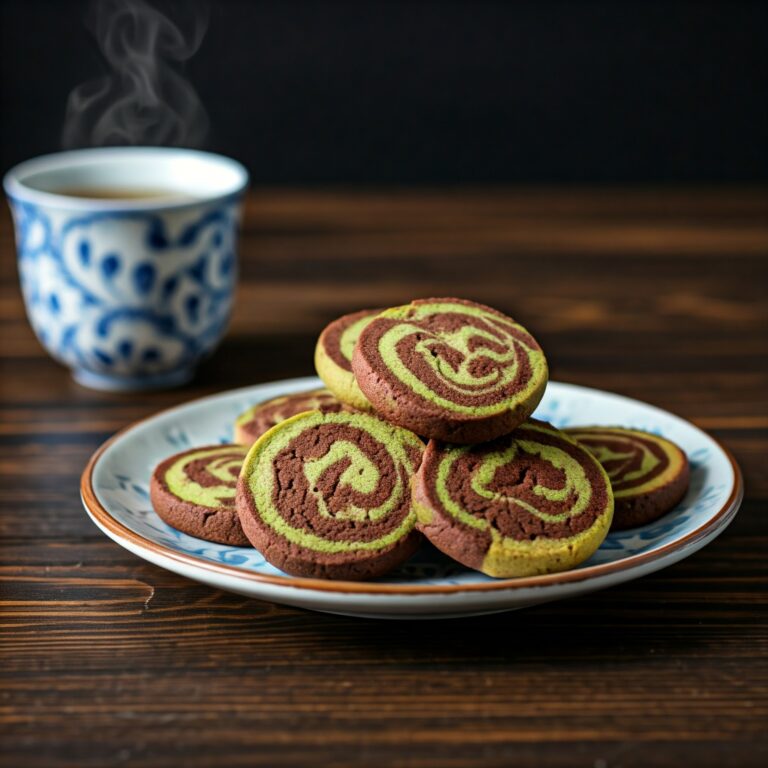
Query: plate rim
{"type": "Point", "coordinates": [107, 521]}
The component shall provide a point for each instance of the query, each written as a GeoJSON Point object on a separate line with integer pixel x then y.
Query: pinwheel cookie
{"type": "Point", "coordinates": [531, 502]}
{"type": "Point", "coordinates": [450, 369]}
{"type": "Point", "coordinates": [333, 357]}
{"type": "Point", "coordinates": [263, 416]}
{"type": "Point", "coordinates": [194, 491]}
{"type": "Point", "coordinates": [328, 495]}
{"type": "Point", "coordinates": [649, 474]}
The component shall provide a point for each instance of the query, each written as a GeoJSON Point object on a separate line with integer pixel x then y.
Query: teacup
{"type": "Point", "coordinates": [127, 259]}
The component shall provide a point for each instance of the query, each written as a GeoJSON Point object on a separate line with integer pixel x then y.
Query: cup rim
{"type": "Point", "coordinates": [17, 190]}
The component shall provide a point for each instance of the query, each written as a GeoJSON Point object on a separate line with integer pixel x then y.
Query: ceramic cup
{"type": "Point", "coordinates": [130, 292]}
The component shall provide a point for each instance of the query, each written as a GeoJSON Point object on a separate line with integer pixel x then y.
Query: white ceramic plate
{"type": "Point", "coordinates": [115, 493]}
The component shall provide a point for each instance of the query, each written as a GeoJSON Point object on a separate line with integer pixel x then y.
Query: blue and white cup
{"type": "Point", "coordinates": [131, 291]}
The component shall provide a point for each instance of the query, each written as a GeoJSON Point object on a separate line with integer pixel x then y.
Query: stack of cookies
{"type": "Point", "coordinates": [423, 432]}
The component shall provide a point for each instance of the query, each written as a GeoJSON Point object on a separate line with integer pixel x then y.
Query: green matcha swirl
{"type": "Point", "coordinates": [636, 462]}
{"type": "Point", "coordinates": [333, 357]}
{"type": "Point", "coordinates": [206, 476]}
{"type": "Point", "coordinates": [338, 339]}
{"type": "Point", "coordinates": [333, 483]}
{"type": "Point", "coordinates": [534, 482]}
{"type": "Point", "coordinates": [465, 358]}
{"type": "Point", "coordinates": [254, 422]}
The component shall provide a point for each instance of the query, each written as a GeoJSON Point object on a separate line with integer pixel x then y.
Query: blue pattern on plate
{"type": "Point", "coordinates": [111, 313]}
{"type": "Point", "coordinates": [125, 493]}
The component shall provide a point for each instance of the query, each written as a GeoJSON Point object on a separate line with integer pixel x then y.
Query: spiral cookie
{"type": "Point", "coordinates": [194, 491]}
{"type": "Point", "coordinates": [450, 369]}
{"type": "Point", "coordinates": [531, 502]}
{"type": "Point", "coordinates": [333, 357]}
{"type": "Point", "coordinates": [263, 416]}
{"type": "Point", "coordinates": [649, 474]}
{"type": "Point", "coordinates": [328, 495]}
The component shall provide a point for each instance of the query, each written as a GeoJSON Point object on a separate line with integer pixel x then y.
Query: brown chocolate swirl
{"type": "Point", "coordinates": [533, 501]}
{"type": "Point", "coordinates": [636, 461]}
{"type": "Point", "coordinates": [331, 488]}
{"type": "Point", "coordinates": [204, 476]}
{"type": "Point", "coordinates": [450, 369]}
{"type": "Point", "coordinates": [530, 484]}
{"type": "Point", "coordinates": [339, 337]}
{"type": "Point", "coordinates": [263, 416]}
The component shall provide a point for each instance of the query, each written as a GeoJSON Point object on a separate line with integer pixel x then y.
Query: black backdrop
{"type": "Point", "coordinates": [438, 92]}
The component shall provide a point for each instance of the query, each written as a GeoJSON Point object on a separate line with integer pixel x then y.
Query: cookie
{"type": "Point", "coordinates": [194, 491]}
{"type": "Point", "coordinates": [528, 503]}
{"type": "Point", "coordinates": [450, 369]}
{"type": "Point", "coordinates": [328, 495]}
{"type": "Point", "coordinates": [649, 474]}
{"type": "Point", "coordinates": [252, 424]}
{"type": "Point", "coordinates": [333, 357]}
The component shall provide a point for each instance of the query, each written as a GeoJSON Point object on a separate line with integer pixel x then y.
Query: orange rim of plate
{"type": "Point", "coordinates": [717, 522]}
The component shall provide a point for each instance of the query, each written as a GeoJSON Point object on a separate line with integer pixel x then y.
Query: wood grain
{"type": "Point", "coordinates": [658, 294]}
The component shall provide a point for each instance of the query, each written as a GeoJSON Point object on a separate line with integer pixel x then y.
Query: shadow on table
{"type": "Point", "coordinates": [612, 624]}
{"type": "Point", "coordinates": [621, 624]}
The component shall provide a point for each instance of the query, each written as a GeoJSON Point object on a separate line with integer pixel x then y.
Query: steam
{"type": "Point", "coordinates": [144, 98]}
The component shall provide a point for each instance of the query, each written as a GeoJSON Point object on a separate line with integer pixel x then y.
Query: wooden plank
{"type": "Point", "coordinates": [658, 294]}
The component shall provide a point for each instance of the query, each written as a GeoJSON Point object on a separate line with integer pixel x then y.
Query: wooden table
{"type": "Point", "coordinates": [659, 294]}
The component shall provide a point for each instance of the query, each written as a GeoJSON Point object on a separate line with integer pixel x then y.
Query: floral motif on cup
{"type": "Point", "coordinates": [128, 293]}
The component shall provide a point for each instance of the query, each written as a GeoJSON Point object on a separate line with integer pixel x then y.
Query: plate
{"type": "Point", "coordinates": [115, 492]}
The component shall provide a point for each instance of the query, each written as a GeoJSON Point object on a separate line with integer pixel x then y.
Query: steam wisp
{"type": "Point", "coordinates": [144, 98]}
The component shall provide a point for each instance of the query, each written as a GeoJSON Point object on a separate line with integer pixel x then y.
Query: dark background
{"type": "Point", "coordinates": [438, 92]}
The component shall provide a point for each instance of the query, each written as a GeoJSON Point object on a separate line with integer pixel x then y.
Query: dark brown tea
{"type": "Point", "coordinates": [123, 193]}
